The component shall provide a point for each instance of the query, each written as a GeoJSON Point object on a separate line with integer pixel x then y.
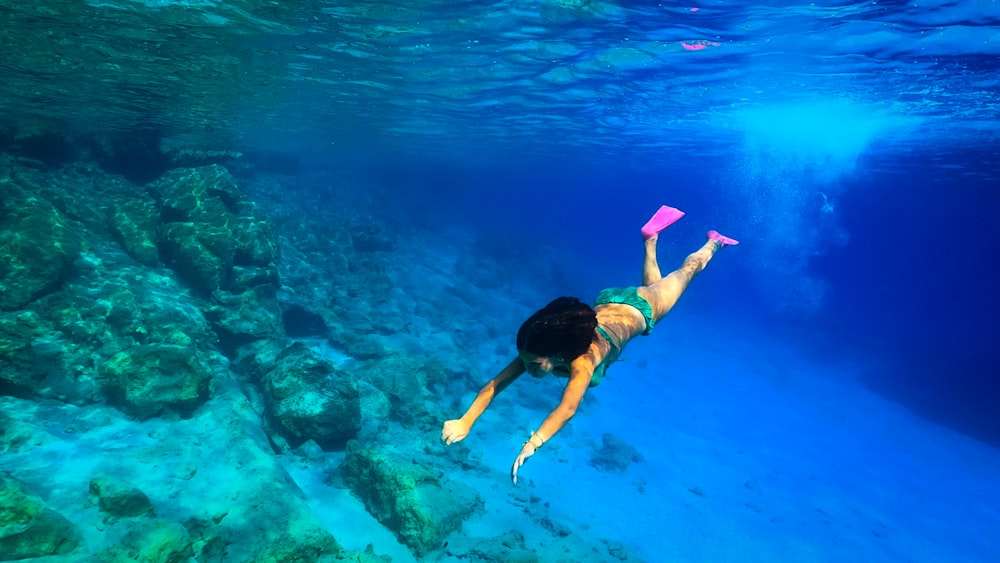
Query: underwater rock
{"type": "Point", "coordinates": [117, 498]}
{"type": "Point", "coordinates": [615, 455]}
{"type": "Point", "coordinates": [240, 319]}
{"type": "Point", "coordinates": [421, 509]}
{"type": "Point", "coordinates": [28, 528]}
{"type": "Point", "coordinates": [38, 246]}
{"type": "Point", "coordinates": [310, 398]}
{"type": "Point", "coordinates": [146, 380]}
{"type": "Point", "coordinates": [210, 226]}
{"type": "Point", "coordinates": [57, 347]}
{"type": "Point", "coordinates": [200, 264]}
{"type": "Point", "coordinates": [135, 224]}
{"type": "Point", "coordinates": [406, 381]}
{"type": "Point", "coordinates": [305, 543]}
{"type": "Point", "coordinates": [17, 332]}
{"type": "Point", "coordinates": [375, 409]}
{"type": "Point", "coordinates": [37, 360]}
{"type": "Point", "coordinates": [152, 541]}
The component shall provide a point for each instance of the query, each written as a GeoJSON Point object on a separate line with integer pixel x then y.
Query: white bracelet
{"type": "Point", "coordinates": [541, 439]}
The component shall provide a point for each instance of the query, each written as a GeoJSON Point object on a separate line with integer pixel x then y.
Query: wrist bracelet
{"type": "Point", "coordinates": [541, 440]}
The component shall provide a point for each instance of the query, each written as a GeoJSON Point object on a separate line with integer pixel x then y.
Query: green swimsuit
{"type": "Point", "coordinates": [626, 296]}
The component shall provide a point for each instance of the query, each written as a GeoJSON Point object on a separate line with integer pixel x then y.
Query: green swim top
{"type": "Point", "coordinates": [625, 296]}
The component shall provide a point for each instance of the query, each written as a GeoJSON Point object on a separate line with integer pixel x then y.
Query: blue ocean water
{"type": "Point", "coordinates": [826, 390]}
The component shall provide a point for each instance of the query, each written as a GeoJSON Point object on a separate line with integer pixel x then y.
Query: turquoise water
{"type": "Point", "coordinates": [253, 255]}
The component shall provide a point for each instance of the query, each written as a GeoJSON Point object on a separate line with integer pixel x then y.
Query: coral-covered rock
{"type": "Point", "coordinates": [28, 528]}
{"type": "Point", "coordinates": [421, 509]}
{"type": "Point", "coordinates": [311, 399]}
{"type": "Point", "coordinates": [38, 246]}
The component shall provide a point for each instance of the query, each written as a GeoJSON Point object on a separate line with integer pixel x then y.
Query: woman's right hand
{"type": "Point", "coordinates": [454, 431]}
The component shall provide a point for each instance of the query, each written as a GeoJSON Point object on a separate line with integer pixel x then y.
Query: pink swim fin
{"type": "Point", "coordinates": [722, 239]}
{"type": "Point", "coordinates": [663, 218]}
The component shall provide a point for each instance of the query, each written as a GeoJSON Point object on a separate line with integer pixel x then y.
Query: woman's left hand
{"type": "Point", "coordinates": [527, 450]}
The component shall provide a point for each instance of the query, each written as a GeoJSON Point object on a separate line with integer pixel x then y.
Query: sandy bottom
{"type": "Point", "coordinates": [750, 453]}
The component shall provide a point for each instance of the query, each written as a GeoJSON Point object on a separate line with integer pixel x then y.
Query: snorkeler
{"type": "Point", "coordinates": [568, 338]}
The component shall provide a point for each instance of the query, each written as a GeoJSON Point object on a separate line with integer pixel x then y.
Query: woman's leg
{"type": "Point", "coordinates": [663, 293]}
{"type": "Point", "coordinates": [650, 269]}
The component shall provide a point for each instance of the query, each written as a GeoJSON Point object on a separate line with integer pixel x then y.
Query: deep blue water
{"type": "Point", "coordinates": [900, 267]}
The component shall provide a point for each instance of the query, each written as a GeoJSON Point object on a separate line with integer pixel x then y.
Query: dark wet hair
{"type": "Point", "coordinates": [563, 328]}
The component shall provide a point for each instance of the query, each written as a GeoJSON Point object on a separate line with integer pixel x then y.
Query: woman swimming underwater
{"type": "Point", "coordinates": [568, 338]}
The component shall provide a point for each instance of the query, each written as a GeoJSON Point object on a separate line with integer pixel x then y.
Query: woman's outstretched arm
{"type": "Point", "coordinates": [456, 430]}
{"type": "Point", "coordinates": [581, 371]}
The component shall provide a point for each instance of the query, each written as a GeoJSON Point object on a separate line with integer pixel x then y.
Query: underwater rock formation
{"type": "Point", "coordinates": [153, 345]}
{"type": "Point", "coordinates": [116, 498]}
{"type": "Point", "coordinates": [29, 528]}
{"type": "Point", "coordinates": [311, 399]}
{"type": "Point", "coordinates": [135, 224]}
{"type": "Point", "coordinates": [406, 382]}
{"type": "Point", "coordinates": [420, 508]}
{"type": "Point", "coordinates": [144, 380]}
{"type": "Point", "coordinates": [210, 226]}
{"type": "Point", "coordinates": [38, 245]}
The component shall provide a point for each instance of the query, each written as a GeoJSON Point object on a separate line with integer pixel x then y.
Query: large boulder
{"type": "Point", "coordinates": [28, 528]}
{"type": "Point", "coordinates": [311, 399]}
{"type": "Point", "coordinates": [148, 379]}
{"type": "Point", "coordinates": [421, 509]}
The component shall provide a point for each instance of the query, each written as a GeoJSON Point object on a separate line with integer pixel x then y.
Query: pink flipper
{"type": "Point", "coordinates": [663, 218]}
{"type": "Point", "coordinates": [722, 239]}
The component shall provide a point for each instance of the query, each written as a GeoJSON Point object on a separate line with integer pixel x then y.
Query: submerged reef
{"type": "Point", "coordinates": [182, 359]}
